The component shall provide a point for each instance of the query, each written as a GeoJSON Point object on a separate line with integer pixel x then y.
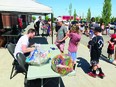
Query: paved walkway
{"type": "Point", "coordinates": [80, 80]}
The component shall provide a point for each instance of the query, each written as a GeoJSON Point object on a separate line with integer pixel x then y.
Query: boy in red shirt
{"type": "Point", "coordinates": [110, 49]}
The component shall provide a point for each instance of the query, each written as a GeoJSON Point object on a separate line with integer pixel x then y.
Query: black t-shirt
{"type": "Point", "coordinates": [96, 46]}
{"type": "Point", "coordinates": [38, 23]}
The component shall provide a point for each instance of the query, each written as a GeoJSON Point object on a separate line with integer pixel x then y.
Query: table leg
{"type": "Point", "coordinates": [14, 40]}
{"type": "Point", "coordinates": [59, 82]}
{"type": "Point", "coordinates": [41, 82]}
{"type": "Point", "coordinates": [7, 41]}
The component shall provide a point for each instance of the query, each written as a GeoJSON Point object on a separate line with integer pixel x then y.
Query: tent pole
{"type": "Point", "coordinates": [52, 26]}
{"type": "Point", "coordinates": [45, 16]}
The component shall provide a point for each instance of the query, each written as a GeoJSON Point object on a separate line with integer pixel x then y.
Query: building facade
{"type": "Point", "coordinates": [8, 20]}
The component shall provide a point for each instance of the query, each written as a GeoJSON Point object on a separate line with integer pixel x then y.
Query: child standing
{"type": "Point", "coordinates": [110, 49]}
{"type": "Point", "coordinates": [75, 38]}
{"type": "Point", "coordinates": [113, 36]}
{"type": "Point", "coordinates": [96, 49]}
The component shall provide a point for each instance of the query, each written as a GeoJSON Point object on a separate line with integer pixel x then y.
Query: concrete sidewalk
{"type": "Point", "coordinates": [80, 80]}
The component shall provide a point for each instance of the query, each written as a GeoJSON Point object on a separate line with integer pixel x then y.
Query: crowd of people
{"type": "Point", "coordinates": [44, 25]}
{"type": "Point", "coordinates": [96, 43]}
{"type": "Point", "coordinates": [74, 32]}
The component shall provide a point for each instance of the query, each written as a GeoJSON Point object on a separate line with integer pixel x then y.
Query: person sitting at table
{"type": "Point", "coordinates": [23, 43]}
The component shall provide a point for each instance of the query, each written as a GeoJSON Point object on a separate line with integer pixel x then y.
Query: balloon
{"type": "Point", "coordinates": [62, 64]}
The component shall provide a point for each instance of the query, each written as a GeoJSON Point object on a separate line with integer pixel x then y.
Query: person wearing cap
{"type": "Point", "coordinates": [96, 44]}
{"type": "Point", "coordinates": [91, 32]}
{"type": "Point", "coordinates": [61, 35]}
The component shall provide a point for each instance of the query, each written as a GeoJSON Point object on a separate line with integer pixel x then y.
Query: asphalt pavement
{"type": "Point", "coordinates": [81, 79]}
{"type": "Point", "coordinates": [106, 38]}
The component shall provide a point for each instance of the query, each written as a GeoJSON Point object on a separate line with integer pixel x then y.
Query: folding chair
{"type": "Point", "coordinates": [11, 48]}
{"type": "Point", "coordinates": [23, 65]}
{"type": "Point", "coordinates": [16, 68]}
{"type": "Point", "coordinates": [21, 61]}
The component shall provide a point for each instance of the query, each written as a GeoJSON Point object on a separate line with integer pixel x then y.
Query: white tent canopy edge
{"type": "Point", "coordinates": [24, 6]}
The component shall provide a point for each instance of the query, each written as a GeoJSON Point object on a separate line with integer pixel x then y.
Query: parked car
{"type": "Point", "coordinates": [114, 29]}
{"type": "Point", "coordinates": [112, 25]}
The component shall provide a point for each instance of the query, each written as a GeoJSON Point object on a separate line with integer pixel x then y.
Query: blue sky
{"type": "Point", "coordinates": [61, 7]}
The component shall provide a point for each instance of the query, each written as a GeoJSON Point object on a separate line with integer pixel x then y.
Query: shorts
{"type": "Point", "coordinates": [60, 46]}
{"type": "Point", "coordinates": [95, 58]}
{"type": "Point", "coordinates": [94, 62]}
{"type": "Point", "coordinates": [73, 55]}
{"type": "Point", "coordinates": [110, 51]}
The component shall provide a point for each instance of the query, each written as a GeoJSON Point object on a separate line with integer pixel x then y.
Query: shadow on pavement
{"type": "Point", "coordinates": [104, 58]}
{"type": "Point", "coordinates": [49, 82]}
{"type": "Point", "coordinates": [83, 64]}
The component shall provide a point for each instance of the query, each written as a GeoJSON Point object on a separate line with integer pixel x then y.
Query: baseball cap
{"type": "Point", "coordinates": [95, 25]}
{"type": "Point", "coordinates": [113, 36]}
{"type": "Point", "coordinates": [59, 20]}
{"type": "Point", "coordinates": [98, 29]}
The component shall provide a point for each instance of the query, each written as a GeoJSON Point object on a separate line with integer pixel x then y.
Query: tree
{"type": "Point", "coordinates": [113, 19]}
{"type": "Point", "coordinates": [46, 17]}
{"type": "Point", "coordinates": [101, 21]}
{"type": "Point", "coordinates": [106, 13]}
{"type": "Point", "coordinates": [75, 14]}
{"type": "Point", "coordinates": [97, 19]}
{"type": "Point", "coordinates": [89, 15]}
{"type": "Point", "coordinates": [33, 18]}
{"type": "Point", "coordinates": [70, 10]}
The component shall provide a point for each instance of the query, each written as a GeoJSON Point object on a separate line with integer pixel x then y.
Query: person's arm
{"type": "Point", "coordinates": [66, 36]}
{"type": "Point", "coordinates": [26, 49]}
{"type": "Point", "coordinates": [111, 43]}
{"type": "Point", "coordinates": [93, 41]}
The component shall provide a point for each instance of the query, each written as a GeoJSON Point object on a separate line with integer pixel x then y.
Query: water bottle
{"type": "Point", "coordinates": [37, 46]}
{"type": "Point", "coordinates": [36, 53]}
{"type": "Point", "coordinates": [36, 58]}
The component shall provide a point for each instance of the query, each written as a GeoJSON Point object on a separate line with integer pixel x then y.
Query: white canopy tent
{"type": "Point", "coordinates": [29, 7]}
{"type": "Point", "coordinates": [23, 6]}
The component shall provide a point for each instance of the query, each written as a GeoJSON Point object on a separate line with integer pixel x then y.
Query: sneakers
{"type": "Point", "coordinates": [92, 75]}
{"type": "Point", "coordinates": [101, 75]}
{"type": "Point", "coordinates": [111, 60]}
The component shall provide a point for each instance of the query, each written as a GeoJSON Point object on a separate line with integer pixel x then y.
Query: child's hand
{"type": "Point", "coordinates": [59, 41]}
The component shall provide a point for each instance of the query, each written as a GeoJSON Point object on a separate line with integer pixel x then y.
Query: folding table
{"type": "Point", "coordinates": [44, 71]}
